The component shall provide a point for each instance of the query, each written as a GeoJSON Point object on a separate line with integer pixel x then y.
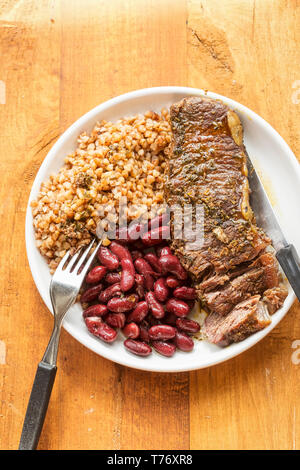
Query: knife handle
{"type": "Point", "coordinates": [289, 261]}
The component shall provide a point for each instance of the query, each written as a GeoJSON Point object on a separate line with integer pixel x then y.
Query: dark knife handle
{"type": "Point", "coordinates": [289, 261]}
{"type": "Point", "coordinates": [37, 406]}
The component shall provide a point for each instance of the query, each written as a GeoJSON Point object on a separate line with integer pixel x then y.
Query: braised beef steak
{"type": "Point", "coordinates": [254, 281]}
{"type": "Point", "coordinates": [249, 316]}
{"type": "Point", "coordinates": [207, 167]}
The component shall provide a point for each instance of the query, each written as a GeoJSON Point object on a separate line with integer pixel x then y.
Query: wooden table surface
{"type": "Point", "coordinates": [60, 59]}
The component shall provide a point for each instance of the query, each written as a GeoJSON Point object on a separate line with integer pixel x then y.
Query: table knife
{"type": "Point", "coordinates": [286, 253]}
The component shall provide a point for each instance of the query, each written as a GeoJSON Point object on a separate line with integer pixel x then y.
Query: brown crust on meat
{"type": "Point", "coordinates": [246, 318]}
{"type": "Point", "coordinates": [259, 276]}
{"type": "Point", "coordinates": [207, 166]}
{"type": "Point", "coordinates": [274, 298]}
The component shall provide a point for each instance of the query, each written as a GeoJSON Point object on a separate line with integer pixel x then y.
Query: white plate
{"type": "Point", "coordinates": [278, 167]}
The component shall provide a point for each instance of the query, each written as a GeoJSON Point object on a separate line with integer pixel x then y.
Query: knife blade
{"type": "Point", "coordinates": [286, 253]}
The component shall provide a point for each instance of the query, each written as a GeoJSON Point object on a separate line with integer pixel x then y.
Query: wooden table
{"type": "Point", "coordinates": [60, 59]}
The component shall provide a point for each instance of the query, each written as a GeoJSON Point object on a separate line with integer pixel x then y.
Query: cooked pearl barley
{"type": "Point", "coordinates": [125, 158]}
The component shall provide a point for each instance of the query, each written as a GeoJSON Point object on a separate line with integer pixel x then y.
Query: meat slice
{"type": "Point", "coordinates": [246, 318]}
{"type": "Point", "coordinates": [223, 300]}
{"type": "Point", "coordinates": [212, 283]}
{"type": "Point", "coordinates": [274, 298]}
{"type": "Point", "coordinates": [254, 281]}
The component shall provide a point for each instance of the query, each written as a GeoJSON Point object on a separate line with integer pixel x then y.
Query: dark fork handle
{"type": "Point", "coordinates": [289, 261]}
{"type": "Point", "coordinates": [37, 406]}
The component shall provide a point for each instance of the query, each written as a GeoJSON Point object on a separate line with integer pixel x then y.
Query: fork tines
{"type": "Point", "coordinates": [79, 263]}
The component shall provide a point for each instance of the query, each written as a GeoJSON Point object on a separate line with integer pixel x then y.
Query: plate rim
{"type": "Point", "coordinates": [141, 363]}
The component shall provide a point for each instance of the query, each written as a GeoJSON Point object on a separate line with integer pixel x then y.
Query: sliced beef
{"type": "Point", "coordinates": [216, 280]}
{"type": "Point", "coordinates": [274, 298]}
{"type": "Point", "coordinates": [223, 300]}
{"type": "Point", "coordinates": [246, 318]}
{"type": "Point", "coordinates": [255, 281]}
{"type": "Point", "coordinates": [231, 270]}
{"type": "Point", "coordinates": [270, 267]}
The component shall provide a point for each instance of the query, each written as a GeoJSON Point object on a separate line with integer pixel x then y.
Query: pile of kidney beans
{"type": "Point", "coordinates": [141, 288]}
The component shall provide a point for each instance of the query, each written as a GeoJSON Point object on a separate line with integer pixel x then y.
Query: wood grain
{"type": "Point", "coordinates": [60, 59]}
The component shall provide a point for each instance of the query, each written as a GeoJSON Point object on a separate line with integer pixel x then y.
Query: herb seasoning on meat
{"type": "Point", "coordinates": [232, 269]}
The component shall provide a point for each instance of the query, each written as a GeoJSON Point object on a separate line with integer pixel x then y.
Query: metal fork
{"type": "Point", "coordinates": [64, 288]}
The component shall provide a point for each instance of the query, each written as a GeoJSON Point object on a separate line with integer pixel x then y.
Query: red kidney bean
{"type": "Point", "coordinates": [183, 341]}
{"type": "Point", "coordinates": [131, 233]}
{"type": "Point", "coordinates": [162, 251]}
{"type": "Point", "coordinates": [178, 307]}
{"type": "Point", "coordinates": [154, 262]}
{"type": "Point", "coordinates": [164, 348]}
{"type": "Point", "coordinates": [117, 320]}
{"type": "Point", "coordinates": [140, 291]}
{"type": "Point", "coordinates": [120, 251]}
{"type": "Point", "coordinates": [139, 280]}
{"type": "Point", "coordinates": [155, 306]}
{"type": "Point", "coordinates": [135, 231]}
{"type": "Point", "coordinates": [127, 274]}
{"type": "Point", "coordinates": [187, 325]}
{"type": "Point", "coordinates": [91, 293]}
{"type": "Point", "coordinates": [131, 330]}
{"type": "Point", "coordinates": [97, 310]}
{"type": "Point", "coordinates": [155, 236]}
{"type": "Point", "coordinates": [159, 220]}
{"type": "Point", "coordinates": [144, 335]}
{"type": "Point", "coordinates": [171, 264]}
{"type": "Point", "coordinates": [136, 254]}
{"type": "Point", "coordinates": [111, 291]}
{"type": "Point", "coordinates": [107, 258]}
{"type": "Point", "coordinates": [92, 323]}
{"type": "Point", "coordinates": [139, 313]}
{"type": "Point", "coordinates": [112, 278]}
{"type": "Point", "coordinates": [123, 304]}
{"type": "Point", "coordinates": [140, 283]}
{"type": "Point", "coordinates": [100, 329]}
{"type": "Point", "coordinates": [172, 282]}
{"type": "Point", "coordinates": [96, 274]}
{"type": "Point", "coordinates": [162, 332]}
{"type": "Point", "coordinates": [185, 293]}
{"type": "Point", "coordinates": [122, 235]}
{"type": "Point", "coordinates": [161, 290]}
{"type": "Point", "coordinates": [144, 268]}
{"type": "Point", "coordinates": [137, 347]}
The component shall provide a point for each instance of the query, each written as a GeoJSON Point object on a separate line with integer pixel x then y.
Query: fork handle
{"type": "Point", "coordinates": [37, 406]}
